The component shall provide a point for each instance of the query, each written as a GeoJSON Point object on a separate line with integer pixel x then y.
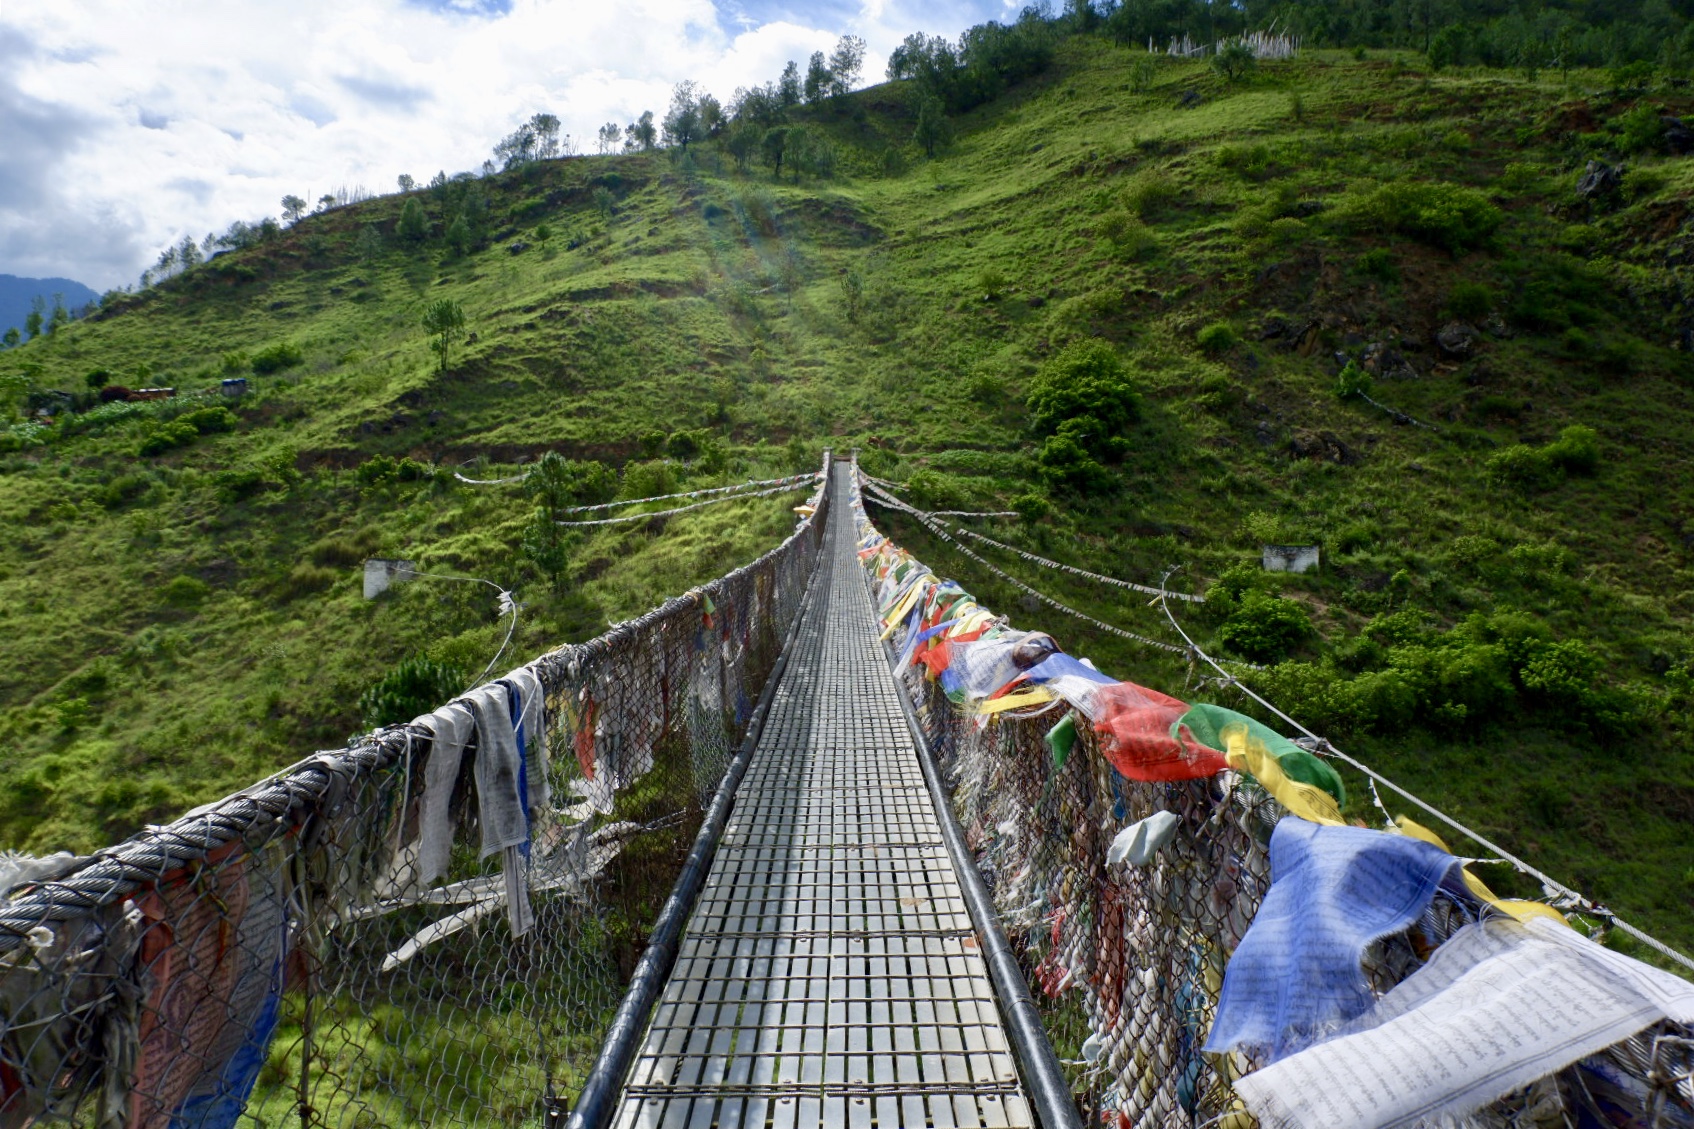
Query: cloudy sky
{"type": "Point", "coordinates": [126, 125]}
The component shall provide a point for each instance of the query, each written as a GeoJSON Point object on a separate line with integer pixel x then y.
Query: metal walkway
{"type": "Point", "coordinates": [830, 975]}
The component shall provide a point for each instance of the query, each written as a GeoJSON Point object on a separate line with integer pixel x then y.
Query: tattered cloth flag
{"type": "Point", "coordinates": [1142, 734]}
{"type": "Point", "coordinates": [1296, 976]}
{"type": "Point", "coordinates": [1498, 1006]}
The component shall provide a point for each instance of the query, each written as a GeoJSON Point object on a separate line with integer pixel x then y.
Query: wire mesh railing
{"type": "Point", "coordinates": [1126, 899]}
{"type": "Point", "coordinates": [433, 926]}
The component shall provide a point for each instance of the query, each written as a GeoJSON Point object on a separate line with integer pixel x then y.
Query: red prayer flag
{"type": "Point", "coordinates": [1135, 723]}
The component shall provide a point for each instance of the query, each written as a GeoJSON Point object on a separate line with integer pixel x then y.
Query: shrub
{"type": "Point", "coordinates": [383, 470]}
{"type": "Point", "coordinates": [1522, 467]}
{"type": "Point", "coordinates": [558, 482]}
{"type": "Point", "coordinates": [1576, 450]}
{"type": "Point", "coordinates": [1149, 192]}
{"type": "Point", "coordinates": [282, 355]}
{"type": "Point", "coordinates": [306, 580]}
{"type": "Point", "coordinates": [650, 479]}
{"type": "Point", "coordinates": [1287, 231]}
{"type": "Point", "coordinates": [1264, 628]}
{"type": "Point", "coordinates": [239, 483]}
{"type": "Point", "coordinates": [168, 437]}
{"type": "Point", "coordinates": [1443, 215]}
{"type": "Point", "coordinates": [1064, 463]}
{"type": "Point", "coordinates": [1084, 380]}
{"type": "Point", "coordinates": [1378, 263]}
{"type": "Point", "coordinates": [1032, 508]}
{"type": "Point", "coordinates": [1470, 301]}
{"type": "Point", "coordinates": [208, 421]}
{"type": "Point", "coordinates": [123, 488]}
{"type": "Point", "coordinates": [1639, 130]}
{"type": "Point", "coordinates": [1218, 337]}
{"type": "Point", "coordinates": [185, 591]}
{"type": "Point", "coordinates": [1129, 236]}
{"type": "Point", "coordinates": [415, 687]}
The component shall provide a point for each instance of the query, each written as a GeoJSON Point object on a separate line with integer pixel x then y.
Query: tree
{"type": "Point", "coordinates": [712, 120]}
{"type": "Point", "coordinates": [741, 140]}
{"type": "Point", "coordinates": [1234, 61]}
{"type": "Point", "coordinates": [12, 337]}
{"type": "Point", "coordinates": [61, 317]}
{"type": "Point", "coordinates": [458, 236]}
{"type": "Point", "coordinates": [445, 320]}
{"type": "Point", "coordinates": [608, 137]}
{"type": "Point", "coordinates": [188, 253]}
{"type": "Point", "coordinates": [326, 201]}
{"type": "Point", "coordinates": [775, 142]}
{"type": "Point", "coordinates": [369, 244]}
{"type": "Point", "coordinates": [933, 130]}
{"type": "Point", "coordinates": [817, 79]}
{"type": "Point", "coordinates": [681, 126]}
{"type": "Point", "coordinates": [641, 134]}
{"type": "Point", "coordinates": [788, 86]}
{"type": "Point", "coordinates": [36, 318]}
{"type": "Point", "coordinates": [535, 140]}
{"type": "Point", "coordinates": [413, 227]}
{"type": "Point", "coordinates": [293, 207]}
{"type": "Point", "coordinates": [405, 181]}
{"type": "Point", "coordinates": [845, 62]}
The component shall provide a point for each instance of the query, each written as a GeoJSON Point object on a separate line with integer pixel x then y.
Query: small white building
{"type": "Point", "coordinates": [380, 573]}
{"type": "Point", "coordinates": [1282, 558]}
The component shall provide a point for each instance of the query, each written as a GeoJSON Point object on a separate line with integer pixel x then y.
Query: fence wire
{"type": "Point", "coordinates": [1126, 962]}
{"type": "Point", "coordinates": [433, 926]}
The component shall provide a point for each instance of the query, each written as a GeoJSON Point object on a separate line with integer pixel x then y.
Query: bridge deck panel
{"type": "Point", "coordinates": [830, 975]}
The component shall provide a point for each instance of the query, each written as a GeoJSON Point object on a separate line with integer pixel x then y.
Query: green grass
{"type": "Point", "coordinates": [715, 299]}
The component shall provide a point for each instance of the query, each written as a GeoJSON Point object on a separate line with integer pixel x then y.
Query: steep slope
{"type": "Point", "coordinates": [1503, 629]}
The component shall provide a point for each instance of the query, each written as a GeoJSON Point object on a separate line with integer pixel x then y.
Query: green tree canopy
{"type": "Point", "coordinates": [445, 320]}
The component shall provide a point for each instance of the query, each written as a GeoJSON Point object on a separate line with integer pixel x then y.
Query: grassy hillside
{"type": "Point", "coordinates": [1502, 618]}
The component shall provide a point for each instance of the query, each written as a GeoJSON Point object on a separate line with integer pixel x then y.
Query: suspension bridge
{"type": "Point", "coordinates": [820, 843]}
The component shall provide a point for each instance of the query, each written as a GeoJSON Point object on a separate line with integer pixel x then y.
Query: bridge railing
{"type": "Point", "coordinates": [1126, 961]}
{"type": "Point", "coordinates": [433, 926]}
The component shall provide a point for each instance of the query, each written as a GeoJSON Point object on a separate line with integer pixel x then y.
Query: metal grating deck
{"type": "Point", "coordinates": [830, 975]}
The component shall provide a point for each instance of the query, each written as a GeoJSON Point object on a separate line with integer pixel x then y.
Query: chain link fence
{"type": "Point", "coordinates": [433, 926]}
{"type": "Point", "coordinates": [1126, 961]}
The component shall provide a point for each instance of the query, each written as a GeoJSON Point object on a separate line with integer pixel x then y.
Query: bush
{"type": "Point", "coordinates": [413, 688]}
{"type": "Point", "coordinates": [650, 479]}
{"type": "Point", "coordinates": [1378, 263]}
{"type": "Point", "coordinates": [1085, 380]}
{"type": "Point", "coordinates": [1470, 301]}
{"type": "Point", "coordinates": [385, 470]}
{"type": "Point", "coordinates": [1064, 463]}
{"type": "Point", "coordinates": [558, 482]}
{"type": "Point", "coordinates": [239, 483]}
{"type": "Point", "coordinates": [1443, 215]}
{"type": "Point", "coordinates": [282, 355]}
{"type": "Point", "coordinates": [1575, 451]}
{"type": "Point", "coordinates": [1218, 337]}
{"type": "Point", "coordinates": [123, 488]}
{"type": "Point", "coordinates": [208, 421]}
{"type": "Point", "coordinates": [1150, 192]}
{"type": "Point", "coordinates": [1522, 467]}
{"type": "Point", "coordinates": [1129, 236]}
{"type": "Point", "coordinates": [185, 591]}
{"type": "Point", "coordinates": [1264, 628]}
{"type": "Point", "coordinates": [306, 580]}
{"type": "Point", "coordinates": [168, 437]}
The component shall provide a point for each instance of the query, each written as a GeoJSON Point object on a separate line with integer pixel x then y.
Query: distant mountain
{"type": "Point", "coordinates": [16, 294]}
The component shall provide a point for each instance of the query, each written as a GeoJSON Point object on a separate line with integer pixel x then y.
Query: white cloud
{"type": "Point", "coordinates": [121, 131]}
